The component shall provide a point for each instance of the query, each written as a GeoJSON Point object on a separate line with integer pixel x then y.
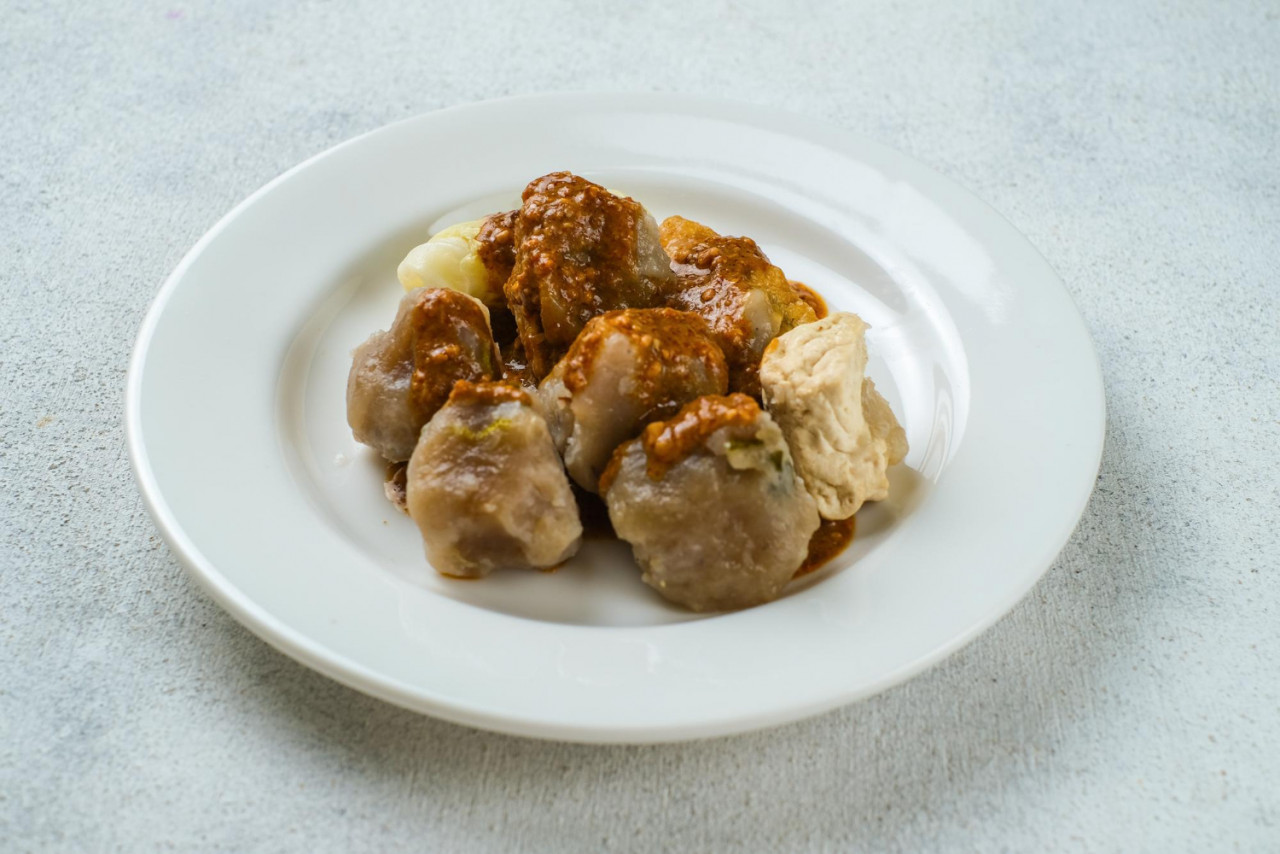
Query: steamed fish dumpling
{"type": "Point", "coordinates": [399, 378]}
{"type": "Point", "coordinates": [580, 251]}
{"type": "Point", "coordinates": [626, 369]}
{"type": "Point", "coordinates": [486, 487]}
{"type": "Point", "coordinates": [731, 283]}
{"type": "Point", "coordinates": [711, 504]}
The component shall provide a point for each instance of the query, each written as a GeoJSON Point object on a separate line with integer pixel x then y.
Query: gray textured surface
{"type": "Point", "coordinates": [1132, 702]}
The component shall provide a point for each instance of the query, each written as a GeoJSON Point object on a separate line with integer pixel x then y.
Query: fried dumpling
{"type": "Point", "coordinates": [841, 431]}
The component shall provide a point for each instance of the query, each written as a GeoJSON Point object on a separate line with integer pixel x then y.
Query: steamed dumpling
{"type": "Point", "coordinates": [626, 369]}
{"type": "Point", "coordinates": [473, 257]}
{"type": "Point", "coordinates": [399, 378]}
{"type": "Point", "coordinates": [580, 251]}
{"type": "Point", "coordinates": [448, 260]}
{"type": "Point", "coordinates": [486, 488]}
{"type": "Point", "coordinates": [731, 283]}
{"type": "Point", "coordinates": [711, 505]}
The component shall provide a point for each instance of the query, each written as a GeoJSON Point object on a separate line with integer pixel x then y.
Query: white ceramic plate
{"type": "Point", "coordinates": [236, 426]}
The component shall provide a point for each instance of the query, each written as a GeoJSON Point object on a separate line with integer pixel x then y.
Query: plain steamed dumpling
{"type": "Point", "coordinates": [486, 487]}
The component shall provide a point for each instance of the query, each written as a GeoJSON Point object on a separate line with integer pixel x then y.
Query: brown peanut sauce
{"type": "Point", "coordinates": [716, 275]}
{"type": "Point", "coordinates": [674, 351]}
{"type": "Point", "coordinates": [674, 440]}
{"type": "Point", "coordinates": [574, 259]}
{"type": "Point", "coordinates": [810, 296]}
{"type": "Point", "coordinates": [452, 342]}
{"type": "Point", "coordinates": [496, 247]}
{"type": "Point", "coordinates": [832, 537]}
{"type": "Point", "coordinates": [665, 442]}
{"type": "Point", "coordinates": [488, 394]}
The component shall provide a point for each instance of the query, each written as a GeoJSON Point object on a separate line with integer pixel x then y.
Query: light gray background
{"type": "Point", "coordinates": [1131, 702]}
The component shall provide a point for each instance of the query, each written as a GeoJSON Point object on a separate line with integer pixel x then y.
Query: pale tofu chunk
{"type": "Point", "coordinates": [841, 432]}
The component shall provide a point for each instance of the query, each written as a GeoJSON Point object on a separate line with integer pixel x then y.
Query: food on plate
{"type": "Point", "coordinates": [626, 369]}
{"type": "Point", "coordinates": [722, 461]}
{"type": "Point", "coordinates": [832, 537]}
{"type": "Point", "coordinates": [731, 283]}
{"type": "Point", "coordinates": [486, 487]}
{"type": "Point", "coordinates": [841, 431]}
{"type": "Point", "coordinates": [400, 377]}
{"type": "Point", "coordinates": [496, 249]}
{"type": "Point", "coordinates": [474, 257]}
{"type": "Point", "coordinates": [580, 251]}
{"type": "Point", "coordinates": [810, 297]}
{"type": "Point", "coordinates": [571, 360]}
{"type": "Point", "coordinates": [450, 259]}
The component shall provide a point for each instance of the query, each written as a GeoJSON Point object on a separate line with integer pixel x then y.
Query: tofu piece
{"type": "Point", "coordinates": [842, 434]}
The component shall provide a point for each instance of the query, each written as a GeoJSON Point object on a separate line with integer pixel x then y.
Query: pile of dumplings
{"type": "Point", "coordinates": [672, 371]}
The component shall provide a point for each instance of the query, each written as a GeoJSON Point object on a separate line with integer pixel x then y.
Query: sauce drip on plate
{"type": "Point", "coordinates": [831, 538]}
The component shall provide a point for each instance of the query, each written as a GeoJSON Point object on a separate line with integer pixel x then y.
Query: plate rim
{"type": "Point", "coordinates": [348, 672]}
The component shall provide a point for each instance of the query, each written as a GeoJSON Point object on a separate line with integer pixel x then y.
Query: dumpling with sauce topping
{"type": "Point", "coordinates": [730, 282]}
{"type": "Point", "coordinates": [496, 249]}
{"type": "Point", "coordinates": [626, 369]}
{"type": "Point", "coordinates": [486, 488]}
{"type": "Point", "coordinates": [711, 505]}
{"type": "Point", "coordinates": [840, 429]}
{"type": "Point", "coordinates": [580, 251]}
{"type": "Point", "coordinates": [399, 378]}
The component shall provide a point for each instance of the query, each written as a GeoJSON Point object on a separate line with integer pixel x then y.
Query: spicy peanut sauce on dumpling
{"type": "Point", "coordinates": [711, 504]}
{"type": "Point", "coordinates": [620, 343]}
{"type": "Point", "coordinates": [626, 369]}
{"type": "Point", "coordinates": [580, 251]}
{"type": "Point", "coordinates": [399, 378]}
{"type": "Point", "coordinates": [730, 282]}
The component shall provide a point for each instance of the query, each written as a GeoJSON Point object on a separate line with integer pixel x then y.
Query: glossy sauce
{"type": "Point", "coordinates": [670, 444]}
{"type": "Point", "coordinates": [715, 275]}
{"type": "Point", "coordinates": [452, 341]}
{"type": "Point", "coordinates": [810, 296]}
{"type": "Point", "coordinates": [487, 394]}
{"type": "Point", "coordinates": [575, 258]}
{"type": "Point", "coordinates": [496, 246]}
{"type": "Point", "coordinates": [832, 537]}
{"type": "Point", "coordinates": [675, 357]}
